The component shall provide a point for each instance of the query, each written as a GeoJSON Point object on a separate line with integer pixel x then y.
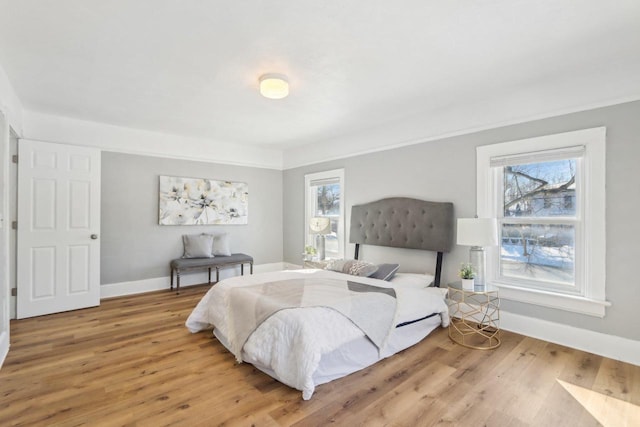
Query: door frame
{"type": "Point", "coordinates": [4, 237]}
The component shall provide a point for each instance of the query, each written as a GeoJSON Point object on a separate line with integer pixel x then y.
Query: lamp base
{"type": "Point", "coordinates": [478, 261]}
{"type": "Point", "coordinates": [320, 246]}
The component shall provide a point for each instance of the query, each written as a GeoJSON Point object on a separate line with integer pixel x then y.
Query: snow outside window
{"type": "Point", "coordinates": [548, 196]}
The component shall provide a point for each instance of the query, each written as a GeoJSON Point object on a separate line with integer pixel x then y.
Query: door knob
{"type": "Point", "coordinates": [94, 236]}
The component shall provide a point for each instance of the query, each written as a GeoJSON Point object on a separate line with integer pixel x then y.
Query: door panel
{"type": "Point", "coordinates": [79, 269]}
{"type": "Point", "coordinates": [43, 273]}
{"type": "Point", "coordinates": [58, 212]}
{"type": "Point", "coordinates": [79, 204]}
{"type": "Point", "coordinates": [43, 206]}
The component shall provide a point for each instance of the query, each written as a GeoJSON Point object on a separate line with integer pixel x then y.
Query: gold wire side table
{"type": "Point", "coordinates": [475, 316]}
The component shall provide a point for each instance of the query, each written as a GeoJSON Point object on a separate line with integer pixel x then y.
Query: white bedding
{"type": "Point", "coordinates": [292, 342]}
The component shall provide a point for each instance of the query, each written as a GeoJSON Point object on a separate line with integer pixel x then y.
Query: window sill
{"type": "Point", "coordinates": [575, 304]}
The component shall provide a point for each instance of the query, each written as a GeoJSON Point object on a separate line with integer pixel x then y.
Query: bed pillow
{"type": "Point", "coordinates": [412, 280]}
{"type": "Point", "coordinates": [385, 271]}
{"type": "Point", "coordinates": [197, 245]}
{"type": "Point", "coordinates": [353, 267]}
{"type": "Point", "coordinates": [221, 245]}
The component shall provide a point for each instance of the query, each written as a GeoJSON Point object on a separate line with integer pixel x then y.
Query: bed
{"type": "Point", "coordinates": [308, 327]}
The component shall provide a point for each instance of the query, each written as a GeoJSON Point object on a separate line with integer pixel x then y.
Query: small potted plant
{"type": "Point", "coordinates": [309, 253]}
{"type": "Point", "coordinates": [467, 274]}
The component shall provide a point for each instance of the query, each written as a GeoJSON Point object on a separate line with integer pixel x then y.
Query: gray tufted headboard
{"type": "Point", "coordinates": [402, 222]}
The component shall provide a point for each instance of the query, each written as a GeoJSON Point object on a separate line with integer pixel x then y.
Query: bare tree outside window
{"type": "Point", "coordinates": [538, 236]}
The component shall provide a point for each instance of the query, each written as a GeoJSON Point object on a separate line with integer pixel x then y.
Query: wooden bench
{"type": "Point", "coordinates": [185, 264]}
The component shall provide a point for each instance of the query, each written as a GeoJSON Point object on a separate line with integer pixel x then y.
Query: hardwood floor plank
{"type": "Point", "coordinates": [131, 362]}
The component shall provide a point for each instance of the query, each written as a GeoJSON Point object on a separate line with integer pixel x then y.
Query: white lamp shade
{"type": "Point", "coordinates": [477, 231]}
{"type": "Point", "coordinates": [320, 225]}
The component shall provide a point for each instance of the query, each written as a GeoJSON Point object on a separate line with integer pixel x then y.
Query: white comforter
{"type": "Point", "coordinates": [291, 342]}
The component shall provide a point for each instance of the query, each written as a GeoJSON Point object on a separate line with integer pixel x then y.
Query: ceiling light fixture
{"type": "Point", "coordinates": [274, 86]}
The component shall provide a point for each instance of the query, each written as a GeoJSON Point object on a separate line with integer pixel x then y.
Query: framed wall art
{"type": "Point", "coordinates": [201, 201]}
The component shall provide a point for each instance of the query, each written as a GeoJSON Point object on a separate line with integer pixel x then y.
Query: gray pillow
{"type": "Point", "coordinates": [385, 271]}
{"type": "Point", "coordinates": [197, 245]}
{"type": "Point", "coordinates": [221, 245]}
{"type": "Point", "coordinates": [353, 267]}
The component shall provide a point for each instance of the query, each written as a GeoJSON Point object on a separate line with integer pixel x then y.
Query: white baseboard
{"type": "Point", "coordinates": [290, 266]}
{"type": "Point", "coordinates": [112, 290]}
{"type": "Point", "coordinates": [4, 347]}
{"type": "Point", "coordinates": [611, 346]}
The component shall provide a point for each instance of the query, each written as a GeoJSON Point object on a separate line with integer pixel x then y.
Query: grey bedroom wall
{"type": "Point", "coordinates": [133, 245]}
{"type": "Point", "coordinates": [445, 170]}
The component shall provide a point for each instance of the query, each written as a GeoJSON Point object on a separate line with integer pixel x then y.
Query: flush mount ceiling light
{"type": "Point", "coordinates": [274, 86]}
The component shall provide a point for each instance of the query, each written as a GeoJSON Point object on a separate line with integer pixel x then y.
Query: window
{"type": "Point", "coordinates": [324, 195]}
{"type": "Point", "coordinates": [548, 196]}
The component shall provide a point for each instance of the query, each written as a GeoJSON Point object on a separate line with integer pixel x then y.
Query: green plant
{"type": "Point", "coordinates": [309, 250]}
{"type": "Point", "coordinates": [466, 271]}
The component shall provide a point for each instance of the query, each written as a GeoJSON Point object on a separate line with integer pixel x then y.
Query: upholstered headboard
{"type": "Point", "coordinates": [402, 222]}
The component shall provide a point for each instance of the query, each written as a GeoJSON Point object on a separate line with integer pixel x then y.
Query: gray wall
{"type": "Point", "coordinates": [445, 170]}
{"type": "Point", "coordinates": [135, 247]}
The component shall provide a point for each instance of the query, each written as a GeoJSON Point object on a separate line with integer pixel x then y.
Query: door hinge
{"type": "Point", "coordinates": [14, 225]}
{"type": "Point", "coordinates": [14, 158]}
{"type": "Point", "coordinates": [14, 292]}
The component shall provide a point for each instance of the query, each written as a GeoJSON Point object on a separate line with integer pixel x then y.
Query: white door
{"type": "Point", "coordinates": [58, 228]}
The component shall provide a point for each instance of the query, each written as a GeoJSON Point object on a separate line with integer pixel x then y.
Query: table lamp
{"type": "Point", "coordinates": [478, 233]}
{"type": "Point", "coordinates": [320, 226]}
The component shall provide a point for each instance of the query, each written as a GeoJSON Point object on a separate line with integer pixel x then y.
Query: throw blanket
{"type": "Point", "coordinates": [370, 308]}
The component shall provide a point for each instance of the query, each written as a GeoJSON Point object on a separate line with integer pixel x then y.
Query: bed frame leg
{"type": "Point", "coordinates": [436, 280]}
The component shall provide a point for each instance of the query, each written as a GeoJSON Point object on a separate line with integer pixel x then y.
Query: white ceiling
{"type": "Point", "coordinates": [191, 67]}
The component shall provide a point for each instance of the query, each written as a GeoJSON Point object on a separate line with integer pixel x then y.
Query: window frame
{"type": "Point", "coordinates": [590, 241]}
{"type": "Point", "coordinates": [310, 206]}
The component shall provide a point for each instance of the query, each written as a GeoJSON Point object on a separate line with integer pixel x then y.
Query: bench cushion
{"type": "Point", "coordinates": [182, 263]}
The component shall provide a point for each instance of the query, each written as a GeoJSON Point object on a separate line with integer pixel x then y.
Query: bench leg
{"type": "Point", "coordinates": [172, 279]}
{"type": "Point", "coordinates": [251, 264]}
{"type": "Point", "coordinates": [217, 274]}
{"type": "Point", "coordinates": [242, 269]}
{"type": "Point", "coordinates": [178, 282]}
{"type": "Point", "coordinates": [209, 275]}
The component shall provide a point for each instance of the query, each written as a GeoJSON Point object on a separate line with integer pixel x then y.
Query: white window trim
{"type": "Point", "coordinates": [592, 302]}
{"type": "Point", "coordinates": [308, 204]}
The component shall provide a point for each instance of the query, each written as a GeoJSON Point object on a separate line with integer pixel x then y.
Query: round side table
{"type": "Point", "coordinates": [475, 316]}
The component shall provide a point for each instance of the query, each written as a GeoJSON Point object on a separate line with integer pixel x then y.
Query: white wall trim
{"type": "Point", "coordinates": [112, 290]}
{"type": "Point", "coordinates": [10, 103]}
{"type": "Point", "coordinates": [575, 304]}
{"type": "Point", "coordinates": [611, 346]}
{"type": "Point", "coordinates": [66, 130]}
{"type": "Point", "coordinates": [4, 347]}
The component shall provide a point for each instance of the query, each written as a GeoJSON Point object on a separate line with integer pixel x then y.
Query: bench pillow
{"type": "Point", "coordinates": [221, 245]}
{"type": "Point", "coordinates": [197, 245]}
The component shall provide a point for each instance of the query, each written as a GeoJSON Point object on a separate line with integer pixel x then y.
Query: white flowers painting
{"type": "Point", "coordinates": [199, 201]}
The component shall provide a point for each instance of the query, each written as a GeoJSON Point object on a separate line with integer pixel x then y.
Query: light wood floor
{"type": "Point", "coordinates": [132, 362]}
